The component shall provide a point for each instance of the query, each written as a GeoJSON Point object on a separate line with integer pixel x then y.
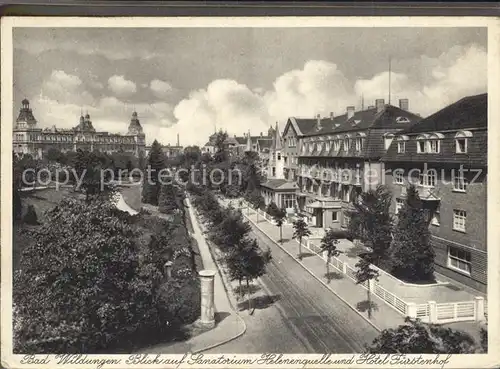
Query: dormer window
{"type": "Point", "coordinates": [402, 120]}
{"type": "Point", "coordinates": [388, 137]}
{"type": "Point", "coordinates": [402, 144]}
{"type": "Point", "coordinates": [336, 144]}
{"type": "Point", "coordinates": [435, 143]}
{"type": "Point", "coordinates": [461, 140]}
{"type": "Point", "coordinates": [434, 146]}
{"type": "Point", "coordinates": [421, 144]}
{"type": "Point", "coordinates": [346, 143]}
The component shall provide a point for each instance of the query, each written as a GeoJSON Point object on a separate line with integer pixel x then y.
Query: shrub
{"type": "Point", "coordinates": [30, 217]}
{"type": "Point", "coordinates": [89, 283]}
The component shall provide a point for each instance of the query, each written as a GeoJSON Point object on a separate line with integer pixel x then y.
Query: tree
{"type": "Point", "coordinates": [415, 337]}
{"type": "Point", "coordinates": [365, 273]}
{"type": "Point", "coordinates": [412, 252]}
{"type": "Point", "coordinates": [230, 232]}
{"type": "Point", "coordinates": [279, 217]}
{"type": "Point", "coordinates": [89, 168]}
{"type": "Point", "coordinates": [258, 203]}
{"type": "Point", "coordinates": [167, 199]}
{"type": "Point", "coordinates": [329, 244]}
{"type": "Point", "coordinates": [56, 155]}
{"type": "Point", "coordinates": [300, 230]}
{"type": "Point", "coordinates": [247, 262]}
{"type": "Point", "coordinates": [221, 154]}
{"type": "Point", "coordinates": [371, 222]}
{"type": "Point", "coordinates": [83, 286]}
{"type": "Point", "coordinates": [151, 185]}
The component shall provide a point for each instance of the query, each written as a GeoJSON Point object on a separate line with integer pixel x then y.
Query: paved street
{"type": "Point", "coordinates": [310, 317]}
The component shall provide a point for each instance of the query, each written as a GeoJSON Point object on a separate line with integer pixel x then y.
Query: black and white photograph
{"type": "Point", "coordinates": [249, 193]}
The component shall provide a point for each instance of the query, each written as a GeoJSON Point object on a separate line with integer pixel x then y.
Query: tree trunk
{"type": "Point", "coordinates": [248, 293]}
{"type": "Point", "coordinates": [369, 301]}
{"type": "Point", "coordinates": [281, 235]}
{"type": "Point", "coordinates": [257, 211]}
{"type": "Point", "coordinates": [328, 268]}
{"type": "Point", "coordinates": [241, 290]}
{"type": "Point", "coordinates": [300, 248]}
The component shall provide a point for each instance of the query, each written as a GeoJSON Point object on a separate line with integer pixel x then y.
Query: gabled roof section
{"type": "Point", "coordinates": [469, 112]}
{"type": "Point", "coordinates": [279, 184]}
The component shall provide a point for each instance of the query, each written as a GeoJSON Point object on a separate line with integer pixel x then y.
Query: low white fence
{"type": "Point", "coordinates": [430, 312]}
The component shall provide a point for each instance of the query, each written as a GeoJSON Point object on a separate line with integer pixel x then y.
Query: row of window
{"type": "Point", "coordinates": [346, 144]}
{"type": "Point", "coordinates": [59, 138]}
{"type": "Point", "coordinates": [459, 216]}
{"type": "Point", "coordinates": [292, 141]}
{"type": "Point", "coordinates": [429, 179]}
{"type": "Point", "coordinates": [431, 144]}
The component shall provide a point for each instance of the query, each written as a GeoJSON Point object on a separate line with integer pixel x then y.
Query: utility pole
{"type": "Point", "coordinates": [389, 80]}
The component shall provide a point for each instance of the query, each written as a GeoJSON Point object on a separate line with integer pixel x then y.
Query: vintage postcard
{"type": "Point", "coordinates": [250, 192]}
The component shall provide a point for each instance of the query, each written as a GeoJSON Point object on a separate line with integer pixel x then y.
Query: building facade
{"type": "Point", "coordinates": [276, 188]}
{"type": "Point", "coordinates": [338, 157]}
{"type": "Point", "coordinates": [29, 138]}
{"type": "Point", "coordinates": [445, 157]}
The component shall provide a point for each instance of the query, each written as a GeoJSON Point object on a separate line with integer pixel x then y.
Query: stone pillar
{"type": "Point", "coordinates": [207, 317]}
{"type": "Point", "coordinates": [432, 312]}
{"type": "Point", "coordinates": [412, 310]}
{"type": "Point", "coordinates": [479, 300]}
{"type": "Point", "coordinates": [344, 268]}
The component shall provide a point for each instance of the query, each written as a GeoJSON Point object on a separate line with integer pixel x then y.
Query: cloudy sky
{"type": "Point", "coordinates": [191, 80]}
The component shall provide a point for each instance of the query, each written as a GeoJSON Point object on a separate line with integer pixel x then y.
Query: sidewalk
{"type": "Point", "coordinates": [229, 325]}
{"type": "Point", "coordinates": [383, 316]}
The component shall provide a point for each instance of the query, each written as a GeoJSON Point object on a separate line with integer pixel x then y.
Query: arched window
{"type": "Point", "coordinates": [422, 143]}
{"type": "Point", "coordinates": [359, 141]}
{"type": "Point", "coordinates": [461, 140]}
{"type": "Point", "coordinates": [434, 143]}
{"type": "Point", "coordinates": [346, 143]}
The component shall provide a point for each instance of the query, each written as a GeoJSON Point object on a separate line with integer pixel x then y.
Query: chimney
{"type": "Point", "coordinates": [178, 142]}
{"type": "Point", "coordinates": [350, 112]}
{"type": "Point", "coordinates": [318, 123]}
{"type": "Point", "coordinates": [404, 104]}
{"type": "Point", "coordinates": [331, 115]}
{"type": "Point", "coordinates": [379, 103]}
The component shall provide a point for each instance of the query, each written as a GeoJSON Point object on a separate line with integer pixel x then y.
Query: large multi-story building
{"type": "Point", "coordinates": [445, 156]}
{"type": "Point", "coordinates": [29, 138]}
{"type": "Point", "coordinates": [336, 158]}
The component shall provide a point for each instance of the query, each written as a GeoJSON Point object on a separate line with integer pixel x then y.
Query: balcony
{"type": "Point", "coordinates": [426, 193]}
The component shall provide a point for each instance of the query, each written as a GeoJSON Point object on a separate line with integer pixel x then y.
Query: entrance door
{"type": "Point", "coordinates": [319, 218]}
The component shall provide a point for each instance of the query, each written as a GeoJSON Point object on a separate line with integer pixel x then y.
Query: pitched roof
{"type": "Point", "coordinates": [265, 143]}
{"type": "Point", "coordinates": [279, 184]}
{"type": "Point", "coordinates": [469, 112]}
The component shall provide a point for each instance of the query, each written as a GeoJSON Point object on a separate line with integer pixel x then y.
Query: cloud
{"type": "Point", "coordinates": [121, 86]}
{"type": "Point", "coordinates": [433, 83]}
{"type": "Point", "coordinates": [319, 86]}
{"type": "Point", "coordinates": [224, 104]}
{"type": "Point", "coordinates": [60, 79]}
{"type": "Point", "coordinates": [160, 88]}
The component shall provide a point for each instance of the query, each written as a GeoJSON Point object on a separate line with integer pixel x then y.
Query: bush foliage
{"type": "Point", "coordinates": [94, 280]}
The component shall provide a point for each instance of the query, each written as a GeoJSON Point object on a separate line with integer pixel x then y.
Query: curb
{"type": "Point", "coordinates": [316, 277]}
{"type": "Point", "coordinates": [224, 284]}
